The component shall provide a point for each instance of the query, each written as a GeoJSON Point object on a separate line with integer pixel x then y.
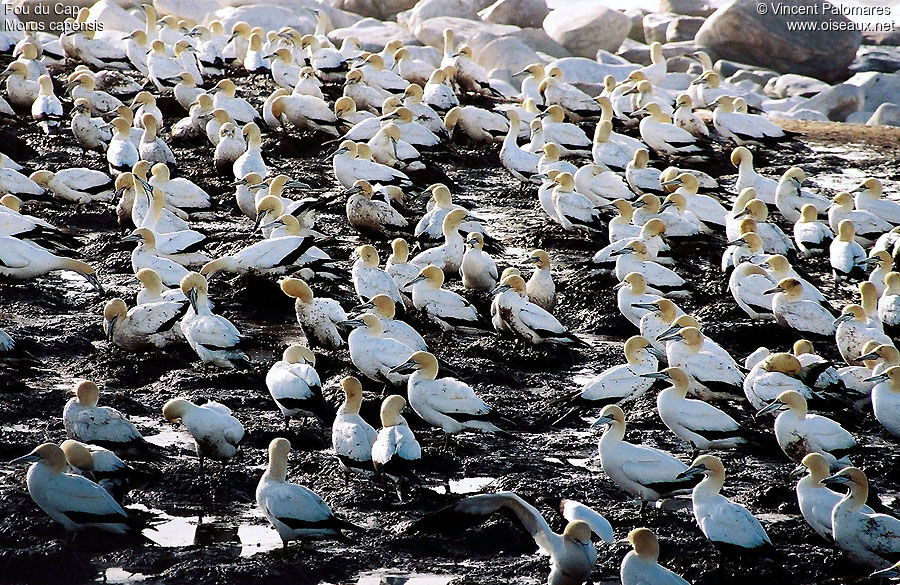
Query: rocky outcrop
{"type": "Point", "coordinates": [740, 32]}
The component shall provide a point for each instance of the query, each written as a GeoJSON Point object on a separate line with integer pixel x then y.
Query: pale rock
{"type": "Point", "coordinates": [428, 9]}
{"type": "Point", "coordinates": [272, 18]}
{"type": "Point", "coordinates": [640, 54]}
{"type": "Point", "coordinates": [836, 102]}
{"type": "Point", "coordinates": [380, 9]}
{"type": "Point", "coordinates": [690, 7]}
{"type": "Point", "coordinates": [655, 27]}
{"type": "Point", "coordinates": [804, 115]}
{"type": "Point", "coordinates": [636, 14]}
{"type": "Point", "coordinates": [578, 70]}
{"type": "Point", "coordinates": [737, 31]}
{"type": "Point", "coordinates": [431, 32]}
{"type": "Point", "coordinates": [790, 85]}
{"type": "Point", "coordinates": [336, 18]}
{"type": "Point", "coordinates": [858, 117]}
{"type": "Point", "coordinates": [882, 59]}
{"type": "Point", "coordinates": [759, 77]}
{"type": "Point", "coordinates": [886, 115]}
{"type": "Point", "coordinates": [681, 65]}
{"type": "Point", "coordinates": [610, 58]}
{"type": "Point", "coordinates": [683, 28]}
{"type": "Point", "coordinates": [373, 34]}
{"type": "Point", "coordinates": [507, 53]}
{"type": "Point", "coordinates": [877, 88]}
{"type": "Point", "coordinates": [781, 104]}
{"type": "Point", "coordinates": [596, 27]}
{"type": "Point", "coordinates": [114, 17]}
{"type": "Point", "coordinates": [523, 13]}
{"type": "Point", "coordinates": [540, 41]}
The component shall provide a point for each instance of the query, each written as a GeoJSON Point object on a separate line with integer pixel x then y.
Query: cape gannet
{"type": "Point", "coordinates": [572, 554]}
{"type": "Point", "coordinates": [216, 433]}
{"type": "Point", "coordinates": [396, 452]}
{"type": "Point", "coordinates": [351, 436]}
{"type": "Point", "coordinates": [447, 403]}
{"type": "Point", "coordinates": [317, 316]}
{"type": "Point", "coordinates": [214, 339]}
{"type": "Point", "coordinates": [144, 326]}
{"type": "Point", "coordinates": [295, 386]}
{"type": "Point", "coordinates": [869, 539]}
{"type": "Point", "coordinates": [641, 567]}
{"type": "Point", "coordinates": [296, 512]}
{"type": "Point", "coordinates": [725, 523]}
{"type": "Point", "coordinates": [800, 433]}
{"type": "Point", "coordinates": [477, 269]}
{"type": "Point", "coordinates": [886, 399]}
{"type": "Point", "coordinates": [642, 471]}
{"type": "Point", "coordinates": [102, 425]}
{"type": "Point", "coordinates": [702, 425]}
{"type": "Point", "coordinates": [375, 354]}
{"type": "Point", "coordinates": [72, 500]}
{"type": "Point", "coordinates": [101, 466]}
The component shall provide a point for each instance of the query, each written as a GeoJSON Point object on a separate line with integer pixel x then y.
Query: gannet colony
{"type": "Point", "coordinates": [449, 291]}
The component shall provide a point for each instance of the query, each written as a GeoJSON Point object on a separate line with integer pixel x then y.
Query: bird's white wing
{"type": "Point", "coordinates": [830, 435]}
{"type": "Point", "coordinates": [701, 416]}
{"type": "Point", "coordinates": [452, 396]}
{"type": "Point", "coordinates": [646, 465]}
{"type": "Point", "coordinates": [527, 515]}
{"type": "Point", "coordinates": [881, 534]}
{"type": "Point", "coordinates": [725, 521]}
{"type": "Point", "coordinates": [156, 317]}
{"type": "Point", "coordinates": [292, 501]}
{"type": "Point", "coordinates": [82, 500]}
{"type": "Point", "coordinates": [573, 510]}
{"type": "Point", "coordinates": [211, 330]}
{"type": "Point", "coordinates": [82, 178]}
{"type": "Point", "coordinates": [539, 319]}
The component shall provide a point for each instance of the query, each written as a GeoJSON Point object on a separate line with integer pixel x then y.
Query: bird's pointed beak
{"type": "Point", "coordinates": [95, 283]}
{"type": "Point", "coordinates": [798, 471]}
{"type": "Point", "coordinates": [500, 288]}
{"type": "Point", "coordinates": [842, 318]}
{"type": "Point", "coordinates": [603, 420]}
{"type": "Point", "coordinates": [407, 367]}
{"type": "Point", "coordinates": [691, 471]}
{"type": "Point", "coordinates": [878, 378]}
{"type": "Point", "coordinates": [656, 376]}
{"type": "Point", "coordinates": [872, 355]}
{"type": "Point", "coordinates": [836, 480]}
{"type": "Point", "coordinates": [272, 225]}
{"type": "Point", "coordinates": [192, 298]}
{"type": "Point", "coordinates": [259, 217]}
{"type": "Point", "coordinates": [646, 306]}
{"type": "Point", "coordinates": [772, 291]}
{"type": "Point", "coordinates": [110, 327]}
{"type": "Point", "coordinates": [30, 458]}
{"type": "Point", "coordinates": [771, 407]}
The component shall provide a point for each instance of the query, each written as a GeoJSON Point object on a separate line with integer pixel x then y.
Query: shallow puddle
{"type": "Point", "coordinates": [467, 485]}
{"type": "Point", "coordinates": [248, 534]}
{"type": "Point", "coordinates": [120, 576]}
{"type": "Point", "coordinates": [394, 577]}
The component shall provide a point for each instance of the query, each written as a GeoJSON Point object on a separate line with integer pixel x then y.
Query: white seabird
{"type": "Point", "coordinates": [103, 425]}
{"type": "Point", "coordinates": [295, 386]}
{"type": "Point", "coordinates": [800, 433]}
{"type": "Point", "coordinates": [351, 436]}
{"type": "Point", "coordinates": [644, 472]}
{"type": "Point", "coordinates": [296, 512]}
{"type": "Point", "coordinates": [722, 521]}
{"type": "Point", "coordinates": [72, 500]}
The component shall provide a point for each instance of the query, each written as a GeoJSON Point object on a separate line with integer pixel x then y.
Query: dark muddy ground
{"type": "Point", "coordinates": [58, 320]}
